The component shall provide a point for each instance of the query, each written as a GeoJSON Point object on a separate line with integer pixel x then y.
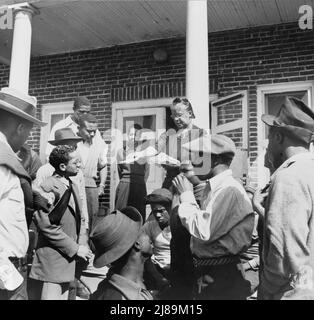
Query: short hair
{"type": "Point", "coordinates": [86, 118]}
{"type": "Point", "coordinates": [80, 101]}
{"type": "Point", "coordinates": [60, 154]}
{"type": "Point", "coordinates": [185, 102]}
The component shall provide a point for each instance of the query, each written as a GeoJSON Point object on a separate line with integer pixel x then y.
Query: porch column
{"type": "Point", "coordinates": [21, 49]}
{"type": "Point", "coordinates": [197, 82]}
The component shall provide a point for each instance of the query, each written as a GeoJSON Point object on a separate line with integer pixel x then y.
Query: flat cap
{"type": "Point", "coordinates": [212, 144]}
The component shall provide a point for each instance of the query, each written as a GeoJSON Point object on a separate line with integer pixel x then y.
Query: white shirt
{"type": "Point", "coordinates": [13, 227]}
{"type": "Point", "coordinates": [224, 223]}
{"type": "Point", "coordinates": [93, 157]}
{"type": "Point", "coordinates": [161, 242]}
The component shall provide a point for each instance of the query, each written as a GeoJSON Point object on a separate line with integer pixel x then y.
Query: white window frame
{"type": "Point", "coordinates": [47, 111]}
{"type": "Point", "coordinates": [275, 88]}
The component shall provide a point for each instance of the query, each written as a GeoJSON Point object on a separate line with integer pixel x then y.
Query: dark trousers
{"type": "Point", "coordinates": [225, 282]}
{"type": "Point", "coordinates": [92, 205]}
{"type": "Point", "coordinates": [155, 278]}
{"type": "Point", "coordinates": [21, 292]}
{"type": "Point", "coordinates": [181, 267]}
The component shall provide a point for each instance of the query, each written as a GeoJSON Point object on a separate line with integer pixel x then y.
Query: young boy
{"type": "Point", "coordinates": [62, 236]}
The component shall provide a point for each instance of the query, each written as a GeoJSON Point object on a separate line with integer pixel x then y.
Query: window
{"type": "Point", "coordinates": [269, 100]}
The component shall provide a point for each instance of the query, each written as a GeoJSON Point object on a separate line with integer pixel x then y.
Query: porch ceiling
{"type": "Point", "coordinates": [71, 25]}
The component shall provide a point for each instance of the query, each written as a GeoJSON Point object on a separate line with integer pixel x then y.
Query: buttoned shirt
{"type": "Point", "coordinates": [13, 228]}
{"type": "Point", "coordinates": [93, 157]}
{"type": "Point", "coordinates": [223, 225]}
{"type": "Point", "coordinates": [288, 246]}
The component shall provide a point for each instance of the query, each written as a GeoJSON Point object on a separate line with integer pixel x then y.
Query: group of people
{"type": "Point", "coordinates": [207, 236]}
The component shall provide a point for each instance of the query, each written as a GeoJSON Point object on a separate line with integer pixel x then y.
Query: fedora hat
{"type": "Point", "coordinates": [212, 144]}
{"type": "Point", "coordinates": [294, 118]}
{"type": "Point", "coordinates": [64, 136]}
{"type": "Point", "coordinates": [115, 234]}
{"type": "Point", "coordinates": [19, 104]}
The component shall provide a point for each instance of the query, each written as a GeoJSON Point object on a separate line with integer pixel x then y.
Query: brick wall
{"type": "Point", "coordinates": [238, 60]}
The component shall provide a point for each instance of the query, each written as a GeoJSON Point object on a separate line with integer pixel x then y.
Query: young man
{"type": "Point", "coordinates": [93, 153]}
{"type": "Point", "coordinates": [81, 106]}
{"type": "Point", "coordinates": [221, 228]}
{"type": "Point", "coordinates": [119, 241]}
{"type": "Point", "coordinates": [62, 236]}
{"type": "Point", "coordinates": [17, 117]}
{"type": "Point", "coordinates": [64, 136]}
{"type": "Point", "coordinates": [288, 244]}
{"type": "Point", "coordinates": [157, 269]}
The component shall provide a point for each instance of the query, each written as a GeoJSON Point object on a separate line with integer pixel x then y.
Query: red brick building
{"type": "Point", "coordinates": [254, 67]}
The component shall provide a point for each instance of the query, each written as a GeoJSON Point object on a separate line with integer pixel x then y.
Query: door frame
{"type": "Point", "coordinates": [262, 90]}
{"type": "Point", "coordinates": [46, 111]}
{"type": "Point", "coordinates": [129, 105]}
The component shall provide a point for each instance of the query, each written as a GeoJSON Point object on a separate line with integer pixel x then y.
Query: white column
{"type": "Point", "coordinates": [197, 82]}
{"type": "Point", "coordinates": [21, 49]}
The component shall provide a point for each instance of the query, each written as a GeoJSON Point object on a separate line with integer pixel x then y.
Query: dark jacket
{"type": "Point", "coordinates": [54, 260]}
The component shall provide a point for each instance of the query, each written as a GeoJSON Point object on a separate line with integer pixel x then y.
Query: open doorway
{"type": "Point", "coordinates": [149, 114]}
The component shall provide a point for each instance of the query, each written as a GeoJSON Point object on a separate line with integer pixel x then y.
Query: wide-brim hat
{"type": "Point", "coordinates": [115, 234]}
{"type": "Point", "coordinates": [19, 104]}
{"type": "Point", "coordinates": [212, 144]}
{"type": "Point", "coordinates": [294, 118]}
{"type": "Point", "coordinates": [65, 136]}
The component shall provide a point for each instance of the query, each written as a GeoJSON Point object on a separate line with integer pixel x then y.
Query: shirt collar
{"type": "Point", "coordinates": [217, 180]}
{"type": "Point", "coordinates": [130, 289]}
{"type": "Point", "coordinates": [297, 157]}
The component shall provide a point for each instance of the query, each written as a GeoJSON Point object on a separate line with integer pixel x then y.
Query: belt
{"type": "Point", "coordinates": [197, 262]}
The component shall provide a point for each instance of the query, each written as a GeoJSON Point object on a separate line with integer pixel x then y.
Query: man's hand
{"type": "Point", "coordinates": [40, 202]}
{"type": "Point", "coordinates": [84, 253]}
{"type": "Point", "coordinates": [257, 202]}
{"type": "Point", "coordinates": [182, 184]}
{"type": "Point", "coordinates": [101, 190]}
